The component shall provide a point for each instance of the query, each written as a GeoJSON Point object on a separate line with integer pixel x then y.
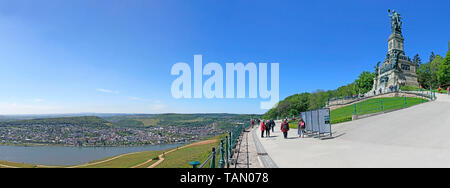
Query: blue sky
{"type": "Point", "coordinates": [115, 56]}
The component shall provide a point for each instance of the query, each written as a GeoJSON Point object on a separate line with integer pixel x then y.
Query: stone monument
{"type": "Point", "coordinates": [397, 69]}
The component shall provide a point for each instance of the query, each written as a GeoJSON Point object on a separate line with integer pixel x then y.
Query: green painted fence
{"type": "Point", "coordinates": [225, 149]}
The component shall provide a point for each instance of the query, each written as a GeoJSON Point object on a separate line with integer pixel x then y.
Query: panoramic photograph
{"type": "Point", "coordinates": [224, 84]}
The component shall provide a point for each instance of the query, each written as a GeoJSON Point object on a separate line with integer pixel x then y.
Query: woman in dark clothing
{"type": "Point", "coordinates": [272, 124]}
{"type": "Point", "coordinates": [285, 128]}
{"type": "Point", "coordinates": [268, 125]}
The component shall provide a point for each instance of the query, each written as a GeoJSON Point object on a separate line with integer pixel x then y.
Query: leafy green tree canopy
{"type": "Point", "coordinates": [364, 83]}
{"type": "Point", "coordinates": [443, 73]}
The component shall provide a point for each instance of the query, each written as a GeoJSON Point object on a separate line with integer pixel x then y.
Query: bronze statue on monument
{"type": "Point", "coordinates": [396, 21]}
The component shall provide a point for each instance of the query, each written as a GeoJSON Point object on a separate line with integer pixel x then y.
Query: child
{"type": "Point", "coordinates": [301, 128]}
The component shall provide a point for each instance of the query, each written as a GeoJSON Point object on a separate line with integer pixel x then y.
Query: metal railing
{"type": "Point", "coordinates": [429, 94]}
{"type": "Point", "coordinates": [225, 150]}
{"type": "Point", "coordinates": [377, 105]}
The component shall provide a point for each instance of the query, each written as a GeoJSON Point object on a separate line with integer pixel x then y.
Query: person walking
{"type": "Point", "coordinates": [301, 128]}
{"type": "Point", "coordinates": [262, 129]}
{"type": "Point", "coordinates": [285, 128]}
{"type": "Point", "coordinates": [268, 125]}
{"type": "Point", "coordinates": [272, 124]}
{"type": "Point", "coordinates": [448, 90]}
{"type": "Point", "coordinates": [252, 122]}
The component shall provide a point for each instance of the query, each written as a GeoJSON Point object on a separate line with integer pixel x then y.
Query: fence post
{"type": "Point", "coordinates": [405, 101]}
{"type": "Point", "coordinates": [213, 159]}
{"type": "Point", "coordinates": [354, 109]}
{"type": "Point", "coordinates": [221, 160]}
{"type": "Point", "coordinates": [381, 105]}
{"type": "Point", "coordinates": [230, 135]}
{"type": "Point", "coordinates": [235, 137]}
{"type": "Point", "coordinates": [421, 91]}
{"type": "Point", "coordinates": [431, 96]}
{"type": "Point", "coordinates": [226, 151]}
{"type": "Point", "coordinates": [194, 164]}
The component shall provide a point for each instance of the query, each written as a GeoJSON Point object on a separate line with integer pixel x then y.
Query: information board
{"type": "Point", "coordinates": [324, 121]}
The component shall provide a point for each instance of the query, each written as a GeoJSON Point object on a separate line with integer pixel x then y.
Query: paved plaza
{"type": "Point", "coordinates": [418, 136]}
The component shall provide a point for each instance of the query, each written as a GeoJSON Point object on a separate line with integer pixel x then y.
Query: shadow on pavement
{"type": "Point", "coordinates": [332, 137]}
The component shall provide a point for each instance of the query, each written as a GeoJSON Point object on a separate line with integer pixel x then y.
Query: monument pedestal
{"type": "Point", "coordinates": [397, 69]}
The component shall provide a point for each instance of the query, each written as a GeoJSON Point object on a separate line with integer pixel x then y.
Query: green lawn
{"type": "Point", "coordinates": [126, 161]}
{"type": "Point", "coordinates": [181, 158]}
{"type": "Point", "coordinates": [18, 165]}
{"type": "Point", "coordinates": [372, 106]}
{"type": "Point", "coordinates": [176, 159]}
{"type": "Point", "coordinates": [293, 124]}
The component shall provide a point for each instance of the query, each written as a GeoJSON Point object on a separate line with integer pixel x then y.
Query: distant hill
{"type": "Point", "coordinates": [222, 120]}
{"type": "Point", "coordinates": [90, 121]}
{"type": "Point", "coordinates": [42, 116]}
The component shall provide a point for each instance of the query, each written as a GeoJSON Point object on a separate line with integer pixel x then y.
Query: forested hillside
{"type": "Point", "coordinates": [90, 121]}
{"type": "Point", "coordinates": [182, 120]}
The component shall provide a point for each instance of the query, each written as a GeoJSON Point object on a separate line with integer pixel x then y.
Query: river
{"type": "Point", "coordinates": [66, 155]}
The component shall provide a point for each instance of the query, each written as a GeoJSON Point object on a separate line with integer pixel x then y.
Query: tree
{"type": "Point", "coordinates": [424, 75]}
{"type": "Point", "coordinates": [364, 83]}
{"type": "Point", "coordinates": [417, 61]}
{"type": "Point", "coordinates": [432, 56]}
{"type": "Point", "coordinates": [428, 73]}
{"type": "Point", "coordinates": [343, 91]}
{"type": "Point", "coordinates": [443, 74]}
{"type": "Point", "coordinates": [434, 68]}
{"type": "Point", "coordinates": [293, 112]}
{"type": "Point", "coordinates": [283, 109]}
{"type": "Point", "coordinates": [318, 99]}
{"type": "Point", "coordinates": [271, 114]}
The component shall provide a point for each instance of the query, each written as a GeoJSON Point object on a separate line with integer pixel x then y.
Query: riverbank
{"type": "Point", "coordinates": [88, 146]}
{"type": "Point", "coordinates": [178, 157]}
{"type": "Point", "coordinates": [69, 156]}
